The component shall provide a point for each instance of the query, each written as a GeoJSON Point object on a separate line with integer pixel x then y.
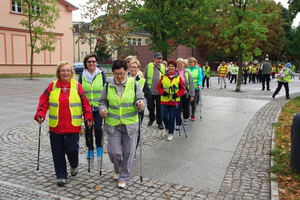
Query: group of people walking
{"type": "Point", "coordinates": [115, 105]}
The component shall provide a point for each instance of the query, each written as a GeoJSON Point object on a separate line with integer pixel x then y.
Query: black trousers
{"type": "Point", "coordinates": [98, 132]}
{"type": "Point", "coordinates": [155, 103]}
{"type": "Point", "coordinates": [265, 78]}
{"type": "Point", "coordinates": [207, 82]}
{"type": "Point", "coordinates": [233, 76]}
{"type": "Point", "coordinates": [184, 107]}
{"type": "Point", "coordinates": [286, 86]}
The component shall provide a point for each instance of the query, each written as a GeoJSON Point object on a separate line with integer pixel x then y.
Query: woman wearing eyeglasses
{"type": "Point", "coordinates": [66, 102]}
{"type": "Point", "coordinates": [92, 80]}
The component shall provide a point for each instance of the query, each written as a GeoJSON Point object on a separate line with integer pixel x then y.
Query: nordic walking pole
{"type": "Point", "coordinates": [200, 103]}
{"type": "Point", "coordinates": [39, 145]}
{"type": "Point", "coordinates": [140, 121]}
{"type": "Point", "coordinates": [210, 82]}
{"type": "Point", "coordinates": [180, 118]}
{"type": "Point", "coordinates": [89, 164]}
{"type": "Point", "coordinates": [102, 142]}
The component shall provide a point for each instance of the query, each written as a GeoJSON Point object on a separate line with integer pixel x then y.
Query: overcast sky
{"type": "Point", "coordinates": [77, 16]}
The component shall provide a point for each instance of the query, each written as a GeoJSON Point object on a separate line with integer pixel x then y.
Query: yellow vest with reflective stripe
{"type": "Point", "coordinates": [186, 73]}
{"type": "Point", "coordinates": [195, 75]}
{"type": "Point", "coordinates": [223, 70]}
{"type": "Point", "coordinates": [122, 110]}
{"type": "Point", "coordinates": [93, 92]}
{"type": "Point", "coordinates": [206, 71]}
{"type": "Point", "coordinates": [74, 104]}
{"type": "Point", "coordinates": [150, 73]}
{"type": "Point", "coordinates": [287, 77]}
{"type": "Point", "coordinates": [166, 84]}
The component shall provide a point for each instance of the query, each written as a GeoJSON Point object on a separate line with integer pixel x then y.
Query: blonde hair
{"type": "Point", "coordinates": [62, 63]}
{"type": "Point", "coordinates": [130, 58]}
{"type": "Point", "coordinates": [134, 60]}
{"type": "Point", "coordinates": [193, 60]}
{"type": "Point", "coordinates": [184, 61]}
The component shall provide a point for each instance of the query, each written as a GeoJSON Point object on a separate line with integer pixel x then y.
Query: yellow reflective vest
{"type": "Point", "coordinates": [122, 110]}
{"type": "Point", "coordinates": [93, 91]}
{"type": "Point", "coordinates": [74, 104]}
{"type": "Point", "coordinates": [167, 85]}
{"type": "Point", "coordinates": [150, 73]}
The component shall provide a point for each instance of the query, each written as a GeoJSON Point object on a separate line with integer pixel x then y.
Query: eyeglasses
{"type": "Point", "coordinates": [65, 71]}
{"type": "Point", "coordinates": [91, 61]}
{"type": "Point", "coordinates": [128, 61]}
{"type": "Point", "coordinates": [133, 67]}
{"type": "Point", "coordinates": [119, 74]}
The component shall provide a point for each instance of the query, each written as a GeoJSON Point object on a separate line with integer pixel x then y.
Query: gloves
{"type": "Point", "coordinates": [174, 96]}
{"type": "Point", "coordinates": [165, 93]}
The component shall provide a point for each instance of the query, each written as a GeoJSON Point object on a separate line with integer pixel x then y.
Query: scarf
{"type": "Point", "coordinates": [88, 77]}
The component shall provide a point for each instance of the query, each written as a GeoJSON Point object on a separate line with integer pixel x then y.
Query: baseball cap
{"type": "Point", "coordinates": [157, 55]}
{"type": "Point", "coordinates": [288, 65]}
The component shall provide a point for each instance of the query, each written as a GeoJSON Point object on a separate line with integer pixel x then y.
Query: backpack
{"type": "Point", "coordinates": [281, 74]}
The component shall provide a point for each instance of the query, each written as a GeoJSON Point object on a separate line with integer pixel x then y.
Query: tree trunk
{"type": "Point", "coordinates": [240, 57]}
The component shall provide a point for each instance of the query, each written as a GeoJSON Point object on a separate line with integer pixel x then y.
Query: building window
{"type": "Point", "coordinates": [17, 6]}
{"type": "Point", "coordinates": [129, 41]}
{"type": "Point", "coordinates": [134, 41]}
{"type": "Point", "coordinates": [36, 9]}
{"type": "Point", "coordinates": [146, 41]}
{"type": "Point", "coordinates": [85, 53]}
{"type": "Point", "coordinates": [139, 41]}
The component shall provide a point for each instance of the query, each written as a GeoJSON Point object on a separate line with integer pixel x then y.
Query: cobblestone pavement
{"type": "Point", "coordinates": [247, 176]}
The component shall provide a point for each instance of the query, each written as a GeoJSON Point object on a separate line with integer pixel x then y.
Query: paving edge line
{"type": "Point", "coordinates": [28, 189]}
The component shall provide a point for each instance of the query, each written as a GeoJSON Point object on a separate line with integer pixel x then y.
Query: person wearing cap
{"type": "Point", "coordinates": [120, 102]}
{"type": "Point", "coordinates": [152, 74]}
{"type": "Point", "coordinates": [266, 73]}
{"type": "Point", "coordinates": [285, 80]}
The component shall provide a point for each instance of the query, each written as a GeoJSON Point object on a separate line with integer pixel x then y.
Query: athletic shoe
{"type": "Point", "coordinates": [116, 175]}
{"type": "Point", "coordinates": [225, 86]}
{"type": "Point", "coordinates": [121, 185]}
{"type": "Point", "coordinates": [193, 118]}
{"type": "Point", "coordinates": [90, 155]}
{"type": "Point", "coordinates": [61, 182]}
{"type": "Point", "coordinates": [220, 87]}
{"type": "Point", "coordinates": [288, 98]}
{"type": "Point", "coordinates": [170, 137]}
{"type": "Point", "coordinates": [74, 171]}
{"type": "Point", "coordinates": [177, 127]}
{"type": "Point", "coordinates": [150, 123]}
{"type": "Point", "coordinates": [273, 96]}
{"type": "Point", "coordinates": [99, 152]}
{"type": "Point", "coordinates": [185, 121]}
{"type": "Point", "coordinates": [160, 126]}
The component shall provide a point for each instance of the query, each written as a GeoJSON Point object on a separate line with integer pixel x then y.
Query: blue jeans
{"type": "Point", "coordinates": [62, 144]}
{"type": "Point", "coordinates": [168, 116]}
{"type": "Point", "coordinates": [98, 132]}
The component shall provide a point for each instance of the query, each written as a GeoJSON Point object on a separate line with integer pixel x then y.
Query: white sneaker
{"type": "Point", "coordinates": [185, 121]}
{"type": "Point", "coordinates": [177, 127]}
{"type": "Point", "coordinates": [116, 175]}
{"type": "Point", "coordinates": [170, 137]}
{"type": "Point", "coordinates": [121, 184]}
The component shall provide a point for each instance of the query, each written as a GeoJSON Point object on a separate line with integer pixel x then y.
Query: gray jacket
{"type": "Point", "coordinates": [291, 73]}
{"type": "Point", "coordinates": [155, 79]}
{"type": "Point", "coordinates": [103, 104]}
{"type": "Point", "coordinates": [191, 83]}
{"type": "Point", "coordinates": [266, 68]}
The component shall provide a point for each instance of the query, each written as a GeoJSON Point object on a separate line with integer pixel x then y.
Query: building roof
{"type": "Point", "coordinates": [68, 5]}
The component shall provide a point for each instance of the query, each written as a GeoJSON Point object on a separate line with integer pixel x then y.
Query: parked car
{"type": "Point", "coordinates": [78, 67]}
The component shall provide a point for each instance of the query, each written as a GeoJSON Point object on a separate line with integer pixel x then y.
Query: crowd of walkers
{"type": "Point", "coordinates": [116, 104]}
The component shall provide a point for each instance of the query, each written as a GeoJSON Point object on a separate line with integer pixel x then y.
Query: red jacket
{"type": "Point", "coordinates": [179, 93]}
{"type": "Point", "coordinates": [64, 125]}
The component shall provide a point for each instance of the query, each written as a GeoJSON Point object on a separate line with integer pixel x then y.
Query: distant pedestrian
{"type": "Point", "coordinates": [246, 72]}
{"type": "Point", "coordinates": [207, 71]}
{"type": "Point", "coordinates": [152, 74]}
{"type": "Point", "coordinates": [266, 73]}
{"type": "Point", "coordinates": [222, 72]}
{"type": "Point", "coordinates": [285, 80]}
{"type": "Point", "coordinates": [66, 102]}
{"type": "Point", "coordinates": [234, 72]}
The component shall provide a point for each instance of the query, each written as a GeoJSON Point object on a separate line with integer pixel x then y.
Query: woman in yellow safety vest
{"type": "Point", "coordinates": [120, 101]}
{"type": "Point", "coordinates": [171, 89]}
{"type": "Point", "coordinates": [285, 80]}
{"type": "Point", "coordinates": [92, 80]}
{"type": "Point", "coordinates": [66, 102]}
{"type": "Point", "coordinates": [134, 69]}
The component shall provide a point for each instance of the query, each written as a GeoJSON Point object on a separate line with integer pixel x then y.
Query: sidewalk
{"type": "Point", "coordinates": [225, 155]}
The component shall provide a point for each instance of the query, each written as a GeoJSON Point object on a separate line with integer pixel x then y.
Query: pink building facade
{"type": "Point", "coordinates": [14, 41]}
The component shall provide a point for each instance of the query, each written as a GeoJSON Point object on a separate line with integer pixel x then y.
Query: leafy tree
{"type": "Point", "coordinates": [294, 45]}
{"type": "Point", "coordinates": [294, 7]}
{"type": "Point", "coordinates": [101, 50]}
{"type": "Point", "coordinates": [39, 16]}
{"type": "Point", "coordinates": [168, 20]}
{"type": "Point", "coordinates": [246, 23]}
{"type": "Point", "coordinates": [110, 26]}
